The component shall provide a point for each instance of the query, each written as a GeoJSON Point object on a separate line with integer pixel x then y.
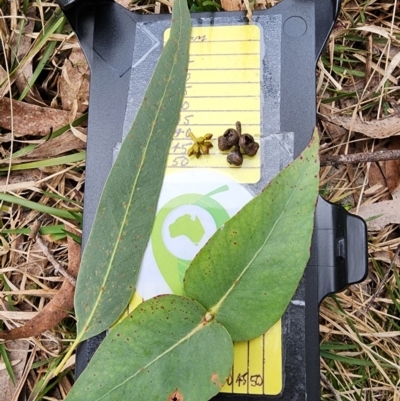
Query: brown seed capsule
{"type": "Point", "coordinates": [235, 157]}
{"type": "Point", "coordinates": [204, 149]}
{"type": "Point", "coordinates": [248, 144]}
{"type": "Point", "coordinates": [229, 139]}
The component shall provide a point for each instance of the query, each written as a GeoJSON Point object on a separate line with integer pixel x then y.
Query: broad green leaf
{"type": "Point", "coordinates": [125, 215]}
{"type": "Point", "coordinates": [249, 270]}
{"type": "Point", "coordinates": [165, 350]}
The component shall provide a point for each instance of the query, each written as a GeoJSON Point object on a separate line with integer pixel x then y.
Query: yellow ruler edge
{"type": "Point", "coordinates": [222, 87]}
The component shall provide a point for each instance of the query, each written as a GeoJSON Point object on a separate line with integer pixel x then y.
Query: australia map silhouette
{"type": "Point", "coordinates": [189, 227]}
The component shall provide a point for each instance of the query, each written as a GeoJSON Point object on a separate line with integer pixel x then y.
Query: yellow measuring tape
{"type": "Point", "coordinates": [223, 86]}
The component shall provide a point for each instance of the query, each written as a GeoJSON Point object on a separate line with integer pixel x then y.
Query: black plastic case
{"type": "Point", "coordinates": [112, 39]}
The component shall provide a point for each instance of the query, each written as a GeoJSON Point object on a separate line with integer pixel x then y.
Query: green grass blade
{"type": "Point", "coordinates": [7, 362]}
{"type": "Point", "coordinates": [51, 230]}
{"type": "Point", "coordinates": [42, 63]}
{"type": "Point", "coordinates": [64, 214]}
{"type": "Point", "coordinates": [346, 359]}
{"type": "Point", "coordinates": [3, 351]}
{"type": "Point", "coordinates": [51, 27]}
{"type": "Point", "coordinates": [56, 161]}
{"type": "Point", "coordinates": [126, 211]}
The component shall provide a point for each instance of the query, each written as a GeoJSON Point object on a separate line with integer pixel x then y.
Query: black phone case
{"type": "Point", "coordinates": [111, 40]}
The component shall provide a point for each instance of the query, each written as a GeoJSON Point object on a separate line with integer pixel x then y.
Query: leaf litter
{"type": "Point", "coordinates": [30, 120]}
{"type": "Point", "coordinates": [57, 309]}
{"type": "Point", "coordinates": [363, 116]}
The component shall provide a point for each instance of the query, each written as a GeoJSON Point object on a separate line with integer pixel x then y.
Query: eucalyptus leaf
{"type": "Point", "coordinates": [247, 273]}
{"type": "Point", "coordinates": [125, 215]}
{"type": "Point", "coordinates": [164, 351]}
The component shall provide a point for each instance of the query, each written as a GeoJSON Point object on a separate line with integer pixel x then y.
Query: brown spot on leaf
{"type": "Point", "coordinates": [215, 380]}
{"type": "Point", "coordinates": [175, 396]}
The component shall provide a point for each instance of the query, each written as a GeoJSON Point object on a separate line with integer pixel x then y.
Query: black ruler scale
{"type": "Point", "coordinates": [262, 74]}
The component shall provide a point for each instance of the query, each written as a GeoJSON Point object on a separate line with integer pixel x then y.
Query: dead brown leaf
{"type": "Point", "coordinates": [392, 167]}
{"type": "Point", "coordinates": [17, 352]}
{"type": "Point", "coordinates": [391, 52]}
{"type": "Point", "coordinates": [379, 215]}
{"type": "Point", "coordinates": [57, 146]}
{"type": "Point", "coordinates": [387, 257]}
{"type": "Point", "coordinates": [4, 80]}
{"type": "Point", "coordinates": [74, 83]}
{"type": "Point", "coordinates": [383, 128]}
{"type": "Point", "coordinates": [20, 180]}
{"type": "Point", "coordinates": [376, 178]}
{"type": "Point", "coordinates": [231, 5]}
{"type": "Point", "coordinates": [36, 261]}
{"type": "Point", "coordinates": [29, 119]}
{"type": "Point", "coordinates": [57, 309]}
{"type": "Point", "coordinates": [17, 177]}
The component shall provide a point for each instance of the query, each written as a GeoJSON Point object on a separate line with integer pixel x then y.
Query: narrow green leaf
{"type": "Point", "coordinates": [60, 197]}
{"type": "Point", "coordinates": [125, 215]}
{"type": "Point", "coordinates": [64, 214]}
{"type": "Point", "coordinates": [75, 237]}
{"type": "Point", "coordinates": [7, 362]}
{"type": "Point", "coordinates": [51, 27]}
{"type": "Point", "coordinates": [42, 63]}
{"type": "Point", "coordinates": [3, 351]}
{"type": "Point", "coordinates": [55, 161]}
{"type": "Point", "coordinates": [346, 359]}
{"type": "Point", "coordinates": [54, 229]}
{"type": "Point", "coordinates": [249, 270]}
{"type": "Point", "coordinates": [164, 349]}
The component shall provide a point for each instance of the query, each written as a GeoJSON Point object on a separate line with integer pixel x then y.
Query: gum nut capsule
{"type": "Point", "coordinates": [235, 157]}
{"type": "Point", "coordinates": [204, 149]}
{"type": "Point", "coordinates": [229, 139]}
{"type": "Point", "coordinates": [248, 144]}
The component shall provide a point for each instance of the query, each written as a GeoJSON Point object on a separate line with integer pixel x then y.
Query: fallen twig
{"type": "Point", "coordinates": [57, 266]}
{"type": "Point", "coordinates": [380, 156]}
{"type": "Point", "coordinates": [332, 389]}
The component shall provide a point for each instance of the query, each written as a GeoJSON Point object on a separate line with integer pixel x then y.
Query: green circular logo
{"type": "Point", "coordinates": [182, 227]}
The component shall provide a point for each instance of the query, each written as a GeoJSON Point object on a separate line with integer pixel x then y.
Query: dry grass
{"type": "Point", "coordinates": [357, 85]}
{"type": "Point", "coordinates": [360, 327]}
